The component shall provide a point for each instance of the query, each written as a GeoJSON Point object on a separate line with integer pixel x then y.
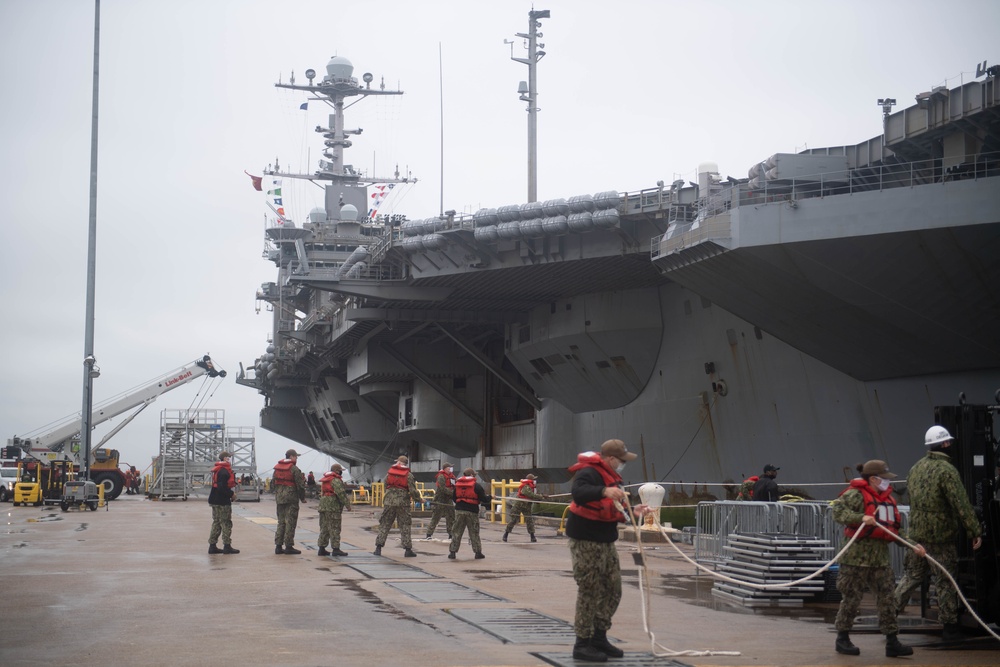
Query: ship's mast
{"type": "Point", "coordinates": [529, 92]}
{"type": "Point", "coordinates": [334, 89]}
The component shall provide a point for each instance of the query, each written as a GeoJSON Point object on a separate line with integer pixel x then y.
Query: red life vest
{"type": "Point", "coordinates": [449, 477]}
{"type": "Point", "coordinates": [749, 483]}
{"type": "Point", "coordinates": [221, 465]}
{"type": "Point", "coordinates": [398, 477]}
{"type": "Point", "coordinates": [603, 509]}
{"type": "Point", "coordinates": [326, 483]}
{"type": "Point", "coordinates": [283, 475]}
{"type": "Point", "coordinates": [465, 490]}
{"type": "Point", "coordinates": [882, 506]}
{"type": "Point", "coordinates": [524, 483]}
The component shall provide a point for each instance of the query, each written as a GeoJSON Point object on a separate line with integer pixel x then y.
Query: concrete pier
{"type": "Point", "coordinates": [135, 585]}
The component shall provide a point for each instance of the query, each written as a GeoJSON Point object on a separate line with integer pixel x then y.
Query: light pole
{"type": "Point", "coordinates": [529, 92]}
{"type": "Point", "coordinates": [90, 371]}
{"type": "Point", "coordinates": [887, 103]}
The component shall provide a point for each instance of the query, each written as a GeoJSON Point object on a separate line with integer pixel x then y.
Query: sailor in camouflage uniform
{"type": "Point", "coordinates": [592, 527]}
{"type": "Point", "coordinates": [746, 488]}
{"type": "Point", "coordinates": [400, 492]}
{"type": "Point", "coordinates": [523, 505]}
{"type": "Point", "coordinates": [444, 499]}
{"type": "Point", "coordinates": [332, 503]}
{"type": "Point", "coordinates": [289, 491]}
{"type": "Point", "coordinates": [469, 497]}
{"type": "Point", "coordinates": [939, 505]}
{"type": "Point", "coordinates": [867, 508]}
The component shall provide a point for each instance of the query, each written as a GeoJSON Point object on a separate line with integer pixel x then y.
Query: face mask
{"type": "Point", "coordinates": [619, 468]}
{"type": "Point", "coordinates": [883, 484]}
{"type": "Point", "coordinates": [449, 470]}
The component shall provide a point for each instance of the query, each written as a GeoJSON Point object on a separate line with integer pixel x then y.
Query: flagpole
{"type": "Point", "coordinates": [441, 90]}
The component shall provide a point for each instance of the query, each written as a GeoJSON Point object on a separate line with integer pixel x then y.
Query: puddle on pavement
{"type": "Point", "coordinates": [82, 526]}
{"type": "Point", "coordinates": [697, 590]}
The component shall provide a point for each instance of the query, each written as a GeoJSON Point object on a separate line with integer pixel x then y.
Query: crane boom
{"type": "Point", "coordinates": [53, 444]}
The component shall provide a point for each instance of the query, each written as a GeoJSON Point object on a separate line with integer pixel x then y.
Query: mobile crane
{"type": "Point", "coordinates": [60, 445]}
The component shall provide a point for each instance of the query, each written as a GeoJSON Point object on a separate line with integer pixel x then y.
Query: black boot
{"type": "Point", "coordinates": [278, 549]}
{"type": "Point", "coordinates": [952, 633]}
{"type": "Point", "coordinates": [506, 533]}
{"type": "Point", "coordinates": [322, 552]}
{"type": "Point", "coordinates": [893, 649]}
{"type": "Point", "coordinates": [582, 650]}
{"type": "Point", "coordinates": [378, 550]}
{"type": "Point", "coordinates": [533, 539]}
{"type": "Point", "coordinates": [479, 555]}
{"type": "Point", "coordinates": [601, 643]}
{"type": "Point", "coordinates": [292, 551]}
{"type": "Point", "coordinates": [338, 552]}
{"type": "Point", "coordinates": [408, 553]}
{"type": "Point", "coordinates": [451, 555]}
{"type": "Point", "coordinates": [212, 549]}
{"type": "Point", "coordinates": [844, 644]}
{"type": "Point", "coordinates": [228, 549]}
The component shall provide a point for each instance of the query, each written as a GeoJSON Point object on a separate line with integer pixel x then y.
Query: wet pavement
{"type": "Point", "coordinates": [135, 585]}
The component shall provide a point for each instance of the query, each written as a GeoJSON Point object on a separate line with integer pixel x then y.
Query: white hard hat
{"type": "Point", "coordinates": [936, 435]}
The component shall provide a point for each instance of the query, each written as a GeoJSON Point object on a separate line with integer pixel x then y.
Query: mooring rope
{"type": "Point", "coordinates": [644, 587]}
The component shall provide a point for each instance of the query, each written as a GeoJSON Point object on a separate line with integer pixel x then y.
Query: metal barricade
{"type": "Point", "coordinates": [715, 521]}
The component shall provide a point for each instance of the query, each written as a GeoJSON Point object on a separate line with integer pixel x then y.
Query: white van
{"type": "Point", "coordinates": [8, 477]}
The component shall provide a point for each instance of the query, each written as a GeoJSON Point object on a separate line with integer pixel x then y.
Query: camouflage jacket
{"type": "Point", "coordinates": [397, 497]}
{"type": "Point", "coordinates": [291, 494]}
{"type": "Point", "coordinates": [848, 510]}
{"type": "Point", "coordinates": [338, 501]}
{"type": "Point", "coordinates": [442, 492]}
{"type": "Point", "coordinates": [938, 502]}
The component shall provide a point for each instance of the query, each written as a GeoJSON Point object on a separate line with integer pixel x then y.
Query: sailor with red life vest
{"type": "Point", "coordinates": [220, 498]}
{"type": "Point", "coordinates": [746, 488]}
{"type": "Point", "coordinates": [444, 499]}
{"type": "Point", "coordinates": [523, 505]}
{"type": "Point", "coordinates": [469, 497]}
{"type": "Point", "coordinates": [592, 526]}
{"type": "Point", "coordinates": [400, 489]}
{"type": "Point", "coordinates": [332, 503]}
{"type": "Point", "coordinates": [867, 509]}
{"type": "Point", "coordinates": [289, 491]}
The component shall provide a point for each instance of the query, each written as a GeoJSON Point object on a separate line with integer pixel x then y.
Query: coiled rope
{"type": "Point", "coordinates": [666, 652]}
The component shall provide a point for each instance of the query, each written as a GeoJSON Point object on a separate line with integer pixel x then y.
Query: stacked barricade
{"type": "Point", "coordinates": [716, 521]}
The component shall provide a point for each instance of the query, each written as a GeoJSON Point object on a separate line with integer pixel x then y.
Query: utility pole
{"type": "Point", "coordinates": [529, 91]}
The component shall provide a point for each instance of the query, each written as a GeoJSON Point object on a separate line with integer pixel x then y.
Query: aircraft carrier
{"type": "Point", "coordinates": [810, 315]}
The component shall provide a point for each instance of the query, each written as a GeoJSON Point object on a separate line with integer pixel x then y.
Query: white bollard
{"type": "Point", "coordinates": [651, 494]}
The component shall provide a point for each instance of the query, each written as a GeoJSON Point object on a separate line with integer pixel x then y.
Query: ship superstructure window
{"type": "Point", "coordinates": [541, 366]}
{"type": "Point", "coordinates": [349, 406]}
{"type": "Point", "coordinates": [340, 425]}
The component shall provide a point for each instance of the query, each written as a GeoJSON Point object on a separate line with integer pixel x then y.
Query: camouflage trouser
{"type": "Point", "coordinates": [465, 520]}
{"type": "Point", "coordinates": [852, 581]}
{"type": "Point", "coordinates": [598, 576]}
{"type": "Point", "coordinates": [401, 515]}
{"type": "Point", "coordinates": [329, 528]}
{"type": "Point", "coordinates": [915, 569]}
{"type": "Point", "coordinates": [517, 508]}
{"type": "Point", "coordinates": [222, 524]}
{"type": "Point", "coordinates": [288, 517]}
{"type": "Point", "coordinates": [442, 510]}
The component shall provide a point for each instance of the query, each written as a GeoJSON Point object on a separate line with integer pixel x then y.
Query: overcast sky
{"type": "Point", "coordinates": [630, 93]}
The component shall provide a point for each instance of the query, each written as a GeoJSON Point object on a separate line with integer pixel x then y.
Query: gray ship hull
{"type": "Point", "coordinates": [810, 316]}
